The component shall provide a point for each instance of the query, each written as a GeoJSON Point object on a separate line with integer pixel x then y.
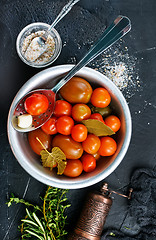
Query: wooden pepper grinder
{"type": "Point", "coordinates": [93, 215]}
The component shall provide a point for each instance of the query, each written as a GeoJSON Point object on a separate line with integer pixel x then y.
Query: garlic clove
{"type": "Point", "coordinates": [24, 121]}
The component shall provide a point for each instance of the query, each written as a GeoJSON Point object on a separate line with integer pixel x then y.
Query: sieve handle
{"type": "Point", "coordinates": [114, 32]}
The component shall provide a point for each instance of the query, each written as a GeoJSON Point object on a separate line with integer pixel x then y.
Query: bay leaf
{"type": "Point", "coordinates": [103, 111]}
{"type": "Point", "coordinates": [97, 127]}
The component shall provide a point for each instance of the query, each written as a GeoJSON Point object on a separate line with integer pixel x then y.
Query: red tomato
{"type": "Point", "coordinates": [80, 112]}
{"type": "Point", "coordinates": [113, 122]}
{"type": "Point", "coordinates": [64, 125]}
{"type": "Point", "coordinates": [96, 156]}
{"type": "Point", "coordinates": [79, 133]}
{"type": "Point", "coordinates": [88, 162]}
{"type": "Point", "coordinates": [71, 148]}
{"type": "Point", "coordinates": [77, 90]}
{"type": "Point", "coordinates": [100, 98]}
{"type": "Point", "coordinates": [62, 108]}
{"type": "Point", "coordinates": [97, 116]}
{"type": "Point", "coordinates": [36, 104]}
{"type": "Point", "coordinates": [108, 146]}
{"type": "Point", "coordinates": [43, 137]}
{"type": "Point", "coordinates": [91, 144]}
{"type": "Point", "coordinates": [50, 126]}
{"type": "Point", "coordinates": [73, 168]}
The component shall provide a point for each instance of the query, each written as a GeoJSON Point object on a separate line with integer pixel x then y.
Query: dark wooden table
{"type": "Point", "coordinates": [78, 30]}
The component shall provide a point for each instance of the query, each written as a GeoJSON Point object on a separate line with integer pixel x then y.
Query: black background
{"type": "Point", "coordinates": [93, 17]}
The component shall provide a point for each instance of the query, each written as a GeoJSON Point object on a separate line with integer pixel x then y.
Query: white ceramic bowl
{"type": "Point", "coordinates": [30, 161]}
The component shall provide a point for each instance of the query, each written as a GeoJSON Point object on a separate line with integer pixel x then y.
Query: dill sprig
{"type": "Point", "coordinates": [46, 222]}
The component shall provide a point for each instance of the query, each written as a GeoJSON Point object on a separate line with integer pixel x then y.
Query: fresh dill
{"type": "Point", "coordinates": [46, 222]}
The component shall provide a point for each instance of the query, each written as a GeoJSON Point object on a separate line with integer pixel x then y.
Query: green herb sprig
{"type": "Point", "coordinates": [46, 222]}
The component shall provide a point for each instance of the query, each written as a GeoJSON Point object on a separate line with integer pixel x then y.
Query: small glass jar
{"type": "Point", "coordinates": [34, 30]}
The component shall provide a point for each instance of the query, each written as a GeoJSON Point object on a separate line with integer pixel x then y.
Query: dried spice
{"type": "Point", "coordinates": [103, 111]}
{"type": "Point", "coordinates": [97, 127]}
{"type": "Point", "coordinates": [56, 157]}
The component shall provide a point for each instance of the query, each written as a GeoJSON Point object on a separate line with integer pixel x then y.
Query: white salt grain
{"type": "Point", "coordinates": [120, 68]}
{"type": "Point", "coordinates": [29, 50]}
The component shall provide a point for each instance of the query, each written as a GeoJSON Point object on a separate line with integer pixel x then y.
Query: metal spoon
{"type": "Point", "coordinates": [114, 32]}
{"type": "Point", "coordinates": [39, 43]}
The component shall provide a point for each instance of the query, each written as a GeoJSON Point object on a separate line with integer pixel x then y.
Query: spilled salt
{"type": "Point", "coordinates": [120, 67]}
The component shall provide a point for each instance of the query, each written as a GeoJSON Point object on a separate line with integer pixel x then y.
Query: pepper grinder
{"type": "Point", "coordinates": [93, 215]}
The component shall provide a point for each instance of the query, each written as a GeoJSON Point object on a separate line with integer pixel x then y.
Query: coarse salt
{"type": "Point", "coordinates": [30, 48]}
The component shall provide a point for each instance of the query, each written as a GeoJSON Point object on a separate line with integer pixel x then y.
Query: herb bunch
{"type": "Point", "coordinates": [46, 222]}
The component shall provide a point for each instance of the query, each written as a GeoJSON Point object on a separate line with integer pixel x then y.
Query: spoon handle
{"type": "Point", "coordinates": [63, 12]}
{"type": "Point", "coordinates": [114, 32]}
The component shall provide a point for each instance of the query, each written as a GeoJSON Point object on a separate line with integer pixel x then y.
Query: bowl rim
{"type": "Point", "coordinates": [72, 184]}
{"type": "Point", "coordinates": [27, 28]}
